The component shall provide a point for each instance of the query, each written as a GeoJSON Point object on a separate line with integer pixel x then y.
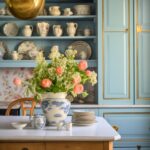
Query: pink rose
{"type": "Point", "coordinates": [17, 81]}
{"type": "Point", "coordinates": [46, 83]}
{"type": "Point", "coordinates": [76, 80]}
{"type": "Point", "coordinates": [88, 73]}
{"type": "Point", "coordinates": [59, 70]}
{"type": "Point", "coordinates": [78, 89]}
{"type": "Point", "coordinates": [82, 65]}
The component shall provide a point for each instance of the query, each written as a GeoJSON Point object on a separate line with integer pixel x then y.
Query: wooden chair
{"type": "Point", "coordinates": [22, 103]}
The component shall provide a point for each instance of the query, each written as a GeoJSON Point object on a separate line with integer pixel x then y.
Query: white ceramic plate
{"type": "Point", "coordinates": [10, 29]}
{"type": "Point", "coordinates": [26, 46]}
{"type": "Point", "coordinates": [84, 50]}
{"type": "Point", "coordinates": [82, 124]}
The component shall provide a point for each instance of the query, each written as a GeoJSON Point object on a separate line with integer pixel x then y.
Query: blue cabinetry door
{"type": "Point", "coordinates": [142, 51]}
{"type": "Point", "coordinates": [117, 52]}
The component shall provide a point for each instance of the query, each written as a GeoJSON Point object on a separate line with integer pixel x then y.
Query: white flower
{"type": "Point", "coordinates": [93, 78]}
{"type": "Point", "coordinates": [70, 53]}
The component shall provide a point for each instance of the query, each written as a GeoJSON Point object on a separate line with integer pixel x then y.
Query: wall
{"type": "Point", "coordinates": [8, 91]}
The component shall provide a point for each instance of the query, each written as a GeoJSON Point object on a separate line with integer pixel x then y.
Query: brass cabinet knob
{"type": "Point", "coordinates": [115, 127]}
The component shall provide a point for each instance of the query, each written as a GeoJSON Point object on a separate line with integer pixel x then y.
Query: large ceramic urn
{"type": "Point", "coordinates": [55, 107]}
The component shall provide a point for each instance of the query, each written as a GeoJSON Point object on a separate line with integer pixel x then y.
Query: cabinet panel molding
{"type": "Point", "coordinates": [143, 73]}
{"type": "Point", "coordinates": [116, 18]}
{"type": "Point", "coordinates": [116, 70]}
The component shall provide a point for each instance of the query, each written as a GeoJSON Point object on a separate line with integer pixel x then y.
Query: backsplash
{"type": "Point", "coordinates": [8, 91]}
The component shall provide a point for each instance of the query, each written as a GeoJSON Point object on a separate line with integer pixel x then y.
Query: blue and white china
{"type": "Point", "coordinates": [38, 121]}
{"type": "Point", "coordinates": [55, 107]}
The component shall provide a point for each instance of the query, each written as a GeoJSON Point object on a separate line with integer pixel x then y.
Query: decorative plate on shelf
{"type": "Point", "coordinates": [28, 50]}
{"type": "Point", "coordinates": [84, 50]}
{"type": "Point", "coordinates": [10, 29]}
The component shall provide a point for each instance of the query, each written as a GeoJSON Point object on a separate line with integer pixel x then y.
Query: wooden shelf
{"type": "Point", "coordinates": [47, 38]}
{"type": "Point", "coordinates": [31, 63]}
{"type": "Point", "coordinates": [88, 17]}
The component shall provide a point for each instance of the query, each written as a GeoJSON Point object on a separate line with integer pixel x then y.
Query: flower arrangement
{"type": "Point", "coordinates": [62, 74]}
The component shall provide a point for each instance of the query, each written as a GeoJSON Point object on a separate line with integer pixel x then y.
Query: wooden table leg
{"type": "Point", "coordinates": [108, 145]}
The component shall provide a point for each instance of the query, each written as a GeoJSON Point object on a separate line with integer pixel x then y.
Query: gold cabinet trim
{"type": "Point", "coordinates": [137, 57]}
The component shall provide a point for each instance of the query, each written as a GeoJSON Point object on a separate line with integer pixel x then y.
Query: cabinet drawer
{"type": "Point", "coordinates": [130, 124]}
{"type": "Point", "coordinates": [21, 146]}
{"type": "Point", "coordinates": [76, 145]}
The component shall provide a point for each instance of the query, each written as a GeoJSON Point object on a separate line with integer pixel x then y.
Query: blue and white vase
{"type": "Point", "coordinates": [55, 107]}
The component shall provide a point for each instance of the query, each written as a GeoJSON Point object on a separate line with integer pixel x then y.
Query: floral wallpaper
{"type": "Point", "coordinates": [8, 91]}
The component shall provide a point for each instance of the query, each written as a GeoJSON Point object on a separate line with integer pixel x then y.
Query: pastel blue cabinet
{"type": "Point", "coordinates": [142, 51]}
{"type": "Point", "coordinates": [133, 124]}
{"type": "Point", "coordinates": [116, 52]}
{"type": "Point", "coordinates": [124, 52]}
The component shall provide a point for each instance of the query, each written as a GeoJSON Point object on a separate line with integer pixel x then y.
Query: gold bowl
{"type": "Point", "coordinates": [25, 9]}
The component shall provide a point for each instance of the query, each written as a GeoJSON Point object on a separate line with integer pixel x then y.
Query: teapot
{"type": "Point", "coordinates": [71, 28]}
{"type": "Point", "coordinates": [54, 10]}
{"type": "Point", "coordinates": [27, 30]}
{"type": "Point", "coordinates": [57, 30]}
{"type": "Point", "coordinates": [42, 28]}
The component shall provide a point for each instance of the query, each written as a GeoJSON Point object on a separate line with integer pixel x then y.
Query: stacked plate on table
{"type": "Point", "coordinates": [83, 118]}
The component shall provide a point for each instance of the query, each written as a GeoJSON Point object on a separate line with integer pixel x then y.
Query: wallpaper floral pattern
{"type": "Point", "coordinates": [8, 91]}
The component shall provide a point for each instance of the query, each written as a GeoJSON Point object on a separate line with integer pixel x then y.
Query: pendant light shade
{"type": "Point", "coordinates": [25, 9]}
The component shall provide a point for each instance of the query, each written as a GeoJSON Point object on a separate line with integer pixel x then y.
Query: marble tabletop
{"type": "Point", "coordinates": [99, 131]}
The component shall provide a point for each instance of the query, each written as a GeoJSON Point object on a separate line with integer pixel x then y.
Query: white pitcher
{"type": "Point", "coordinates": [27, 30]}
{"type": "Point", "coordinates": [57, 30]}
{"type": "Point", "coordinates": [71, 28]}
{"type": "Point", "coordinates": [54, 10]}
{"type": "Point", "coordinates": [42, 28]}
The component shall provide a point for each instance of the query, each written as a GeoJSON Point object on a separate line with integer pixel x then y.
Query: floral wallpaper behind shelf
{"type": "Point", "coordinates": [8, 91]}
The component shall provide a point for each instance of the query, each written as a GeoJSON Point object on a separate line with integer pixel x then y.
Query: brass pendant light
{"type": "Point", "coordinates": [25, 9]}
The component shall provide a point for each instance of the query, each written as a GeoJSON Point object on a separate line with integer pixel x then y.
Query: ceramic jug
{"type": "Point", "coordinates": [54, 11]}
{"type": "Point", "coordinates": [71, 28]}
{"type": "Point", "coordinates": [42, 28]}
{"type": "Point", "coordinates": [57, 30]}
{"type": "Point", "coordinates": [68, 12]}
{"type": "Point", "coordinates": [27, 30]}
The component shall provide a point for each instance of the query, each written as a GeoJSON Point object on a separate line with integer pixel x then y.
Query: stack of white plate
{"type": "Point", "coordinates": [83, 118]}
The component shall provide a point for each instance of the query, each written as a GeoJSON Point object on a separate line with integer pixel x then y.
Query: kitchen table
{"type": "Point", "coordinates": [98, 136]}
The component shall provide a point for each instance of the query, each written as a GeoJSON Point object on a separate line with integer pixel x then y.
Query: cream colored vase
{"type": "Point", "coordinates": [57, 30]}
{"type": "Point", "coordinates": [72, 28]}
{"type": "Point", "coordinates": [55, 107]}
{"type": "Point", "coordinates": [27, 30]}
{"type": "Point", "coordinates": [42, 28]}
